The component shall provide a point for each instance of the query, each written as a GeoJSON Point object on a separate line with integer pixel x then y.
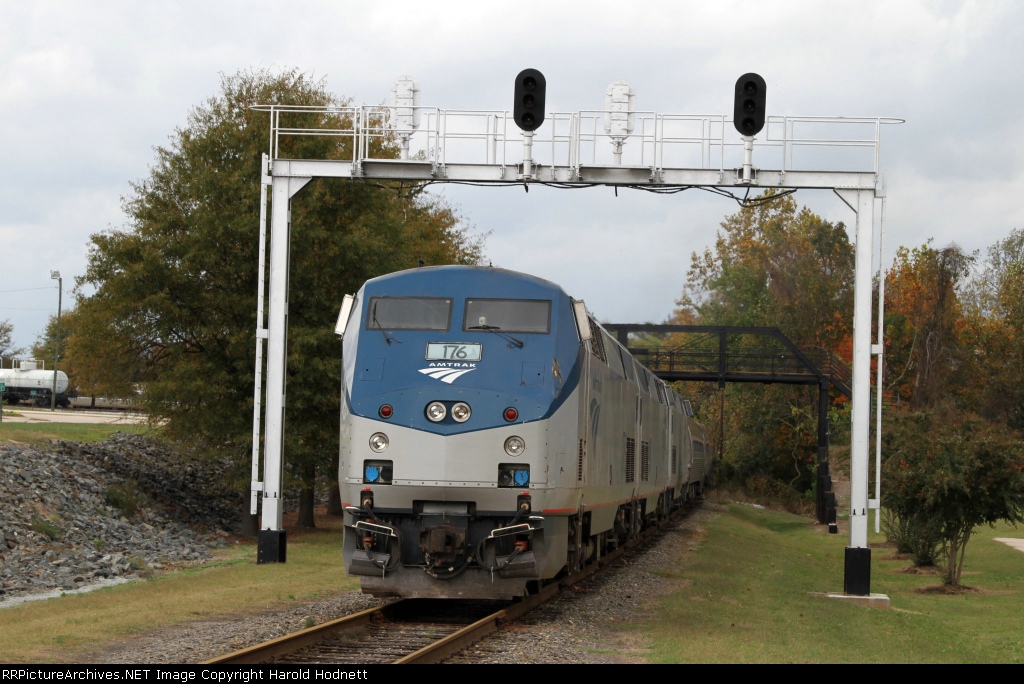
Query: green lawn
{"type": "Point", "coordinates": [39, 433]}
{"type": "Point", "coordinates": [746, 596]}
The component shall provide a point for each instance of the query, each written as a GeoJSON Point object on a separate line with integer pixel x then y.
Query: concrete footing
{"type": "Point", "coordinates": [880, 601]}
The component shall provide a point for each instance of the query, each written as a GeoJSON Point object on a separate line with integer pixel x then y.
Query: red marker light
{"type": "Point", "coordinates": [511, 414]}
{"type": "Point", "coordinates": [385, 411]}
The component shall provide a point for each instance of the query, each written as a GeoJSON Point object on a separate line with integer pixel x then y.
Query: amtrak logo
{"type": "Point", "coordinates": [448, 372]}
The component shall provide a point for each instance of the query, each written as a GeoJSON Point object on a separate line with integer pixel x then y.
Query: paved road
{"type": "Point", "coordinates": [34, 415]}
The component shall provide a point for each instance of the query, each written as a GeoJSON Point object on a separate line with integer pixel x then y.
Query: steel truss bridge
{"type": "Point", "coordinates": [723, 354]}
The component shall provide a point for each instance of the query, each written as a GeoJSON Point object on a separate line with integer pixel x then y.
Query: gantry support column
{"type": "Point", "coordinates": [272, 543]}
{"type": "Point", "coordinates": [857, 576]}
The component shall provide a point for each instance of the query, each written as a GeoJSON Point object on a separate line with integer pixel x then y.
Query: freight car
{"type": "Point", "coordinates": [28, 382]}
{"type": "Point", "coordinates": [495, 437]}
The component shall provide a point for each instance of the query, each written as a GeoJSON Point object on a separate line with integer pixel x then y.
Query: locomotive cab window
{"type": "Point", "coordinates": [409, 313]}
{"type": "Point", "coordinates": [508, 315]}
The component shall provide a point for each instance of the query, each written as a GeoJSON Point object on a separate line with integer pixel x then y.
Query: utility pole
{"type": "Point", "coordinates": [55, 275]}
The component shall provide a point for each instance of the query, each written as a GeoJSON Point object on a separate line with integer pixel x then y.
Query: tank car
{"type": "Point", "coordinates": [495, 437]}
{"type": "Point", "coordinates": [27, 382]}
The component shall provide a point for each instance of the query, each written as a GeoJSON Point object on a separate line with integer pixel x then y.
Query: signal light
{"type": "Point", "coordinates": [748, 114]}
{"type": "Point", "coordinates": [528, 109]}
{"type": "Point", "coordinates": [385, 411]}
{"type": "Point", "coordinates": [511, 414]}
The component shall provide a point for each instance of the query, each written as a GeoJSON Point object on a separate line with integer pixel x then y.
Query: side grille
{"type": "Point", "coordinates": [645, 461]}
{"type": "Point", "coordinates": [597, 341]}
{"type": "Point", "coordinates": [630, 459]}
{"type": "Point", "coordinates": [579, 464]}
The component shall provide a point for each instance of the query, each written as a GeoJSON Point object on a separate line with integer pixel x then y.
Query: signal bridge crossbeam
{"type": "Point", "coordinates": [665, 153]}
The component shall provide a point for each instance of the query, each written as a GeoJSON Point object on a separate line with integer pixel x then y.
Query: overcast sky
{"type": "Point", "coordinates": [87, 89]}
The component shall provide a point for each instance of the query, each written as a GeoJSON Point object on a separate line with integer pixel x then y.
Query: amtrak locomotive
{"type": "Point", "coordinates": [494, 436]}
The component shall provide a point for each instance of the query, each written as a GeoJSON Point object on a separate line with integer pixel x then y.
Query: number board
{"type": "Point", "coordinates": [453, 351]}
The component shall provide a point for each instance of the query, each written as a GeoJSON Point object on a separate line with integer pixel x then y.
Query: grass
{"type": "Point", "coordinates": [41, 433]}
{"type": "Point", "coordinates": [746, 596]}
{"type": "Point", "coordinates": [58, 630]}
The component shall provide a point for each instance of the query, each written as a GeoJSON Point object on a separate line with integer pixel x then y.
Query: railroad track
{"type": "Point", "coordinates": [410, 631]}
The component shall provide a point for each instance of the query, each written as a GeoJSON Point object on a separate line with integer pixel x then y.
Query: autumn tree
{"type": "Point", "coordinates": [774, 265]}
{"type": "Point", "coordinates": [174, 308]}
{"type": "Point", "coordinates": [993, 328]}
{"type": "Point", "coordinates": [923, 323]}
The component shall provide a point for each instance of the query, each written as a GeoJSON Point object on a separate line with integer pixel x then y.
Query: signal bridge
{"type": "Point", "coordinates": [617, 146]}
{"type": "Point", "coordinates": [662, 152]}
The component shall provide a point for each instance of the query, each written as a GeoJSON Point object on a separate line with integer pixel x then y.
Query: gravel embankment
{"type": "Point", "coordinates": [77, 514]}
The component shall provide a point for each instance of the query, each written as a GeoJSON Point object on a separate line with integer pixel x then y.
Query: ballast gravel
{"type": "Point", "coordinates": [61, 532]}
{"type": "Point", "coordinates": [591, 624]}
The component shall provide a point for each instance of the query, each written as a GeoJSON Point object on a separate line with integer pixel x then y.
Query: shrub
{"type": "Point", "coordinates": [126, 497]}
{"type": "Point", "coordinates": [947, 472]}
{"type": "Point", "coordinates": [47, 528]}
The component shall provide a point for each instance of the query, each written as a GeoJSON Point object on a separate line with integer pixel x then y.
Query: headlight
{"type": "Point", "coordinates": [461, 412]}
{"type": "Point", "coordinates": [379, 442]}
{"type": "Point", "coordinates": [514, 446]}
{"type": "Point", "coordinates": [436, 411]}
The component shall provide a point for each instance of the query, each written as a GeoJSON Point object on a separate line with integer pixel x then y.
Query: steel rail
{"type": "Point", "coordinates": [443, 647]}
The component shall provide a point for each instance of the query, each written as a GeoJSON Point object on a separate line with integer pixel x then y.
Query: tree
{"type": "Point", "coordinates": [923, 323]}
{"type": "Point", "coordinates": [992, 331]}
{"type": "Point", "coordinates": [46, 344]}
{"type": "Point", "coordinates": [175, 300]}
{"type": "Point", "coordinates": [7, 348]}
{"type": "Point", "coordinates": [949, 472]}
{"type": "Point", "coordinates": [773, 265]}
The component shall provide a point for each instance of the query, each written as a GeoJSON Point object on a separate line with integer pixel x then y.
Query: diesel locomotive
{"type": "Point", "coordinates": [494, 437]}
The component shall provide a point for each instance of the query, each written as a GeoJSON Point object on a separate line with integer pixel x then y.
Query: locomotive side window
{"type": "Point", "coordinates": [508, 315]}
{"type": "Point", "coordinates": [409, 313]}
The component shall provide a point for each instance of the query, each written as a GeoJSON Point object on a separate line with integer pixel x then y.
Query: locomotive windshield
{"type": "Point", "coordinates": [409, 313]}
{"type": "Point", "coordinates": [508, 315]}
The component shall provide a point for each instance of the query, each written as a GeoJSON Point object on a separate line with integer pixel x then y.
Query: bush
{"type": "Point", "coordinates": [947, 472]}
{"type": "Point", "coordinates": [47, 528]}
{"type": "Point", "coordinates": [126, 497]}
{"type": "Point", "coordinates": [916, 538]}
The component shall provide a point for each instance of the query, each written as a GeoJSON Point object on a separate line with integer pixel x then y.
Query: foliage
{"type": "Point", "coordinates": [6, 343]}
{"type": "Point", "coordinates": [992, 331]}
{"type": "Point", "coordinates": [175, 300]}
{"type": "Point", "coordinates": [775, 266]}
{"type": "Point", "coordinates": [778, 266]}
{"type": "Point", "coordinates": [46, 344]}
{"type": "Point", "coordinates": [125, 497]}
{"type": "Point", "coordinates": [47, 528]}
{"type": "Point", "coordinates": [946, 473]}
{"type": "Point", "coordinates": [923, 323]}
{"type": "Point", "coordinates": [918, 538]}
